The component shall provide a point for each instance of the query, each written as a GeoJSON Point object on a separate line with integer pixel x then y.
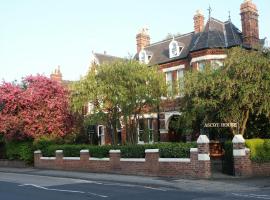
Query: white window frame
{"type": "Point", "coordinates": [145, 60]}
{"type": "Point", "coordinates": [178, 48]}
{"type": "Point", "coordinates": [148, 126]}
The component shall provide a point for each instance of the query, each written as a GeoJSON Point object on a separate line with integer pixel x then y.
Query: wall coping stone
{"type": "Point", "coordinates": [47, 158]}
{"type": "Point", "coordinates": [100, 159]}
{"type": "Point", "coordinates": [71, 158]}
{"type": "Point", "coordinates": [174, 160]}
{"type": "Point", "coordinates": [84, 151]}
{"type": "Point", "coordinates": [37, 152]}
{"type": "Point", "coordinates": [59, 151]}
{"type": "Point", "coordinates": [133, 159]}
{"type": "Point", "coordinates": [238, 139]}
{"type": "Point", "coordinates": [115, 151]}
{"type": "Point", "coordinates": [151, 150]}
{"type": "Point", "coordinates": [203, 139]}
{"type": "Point", "coordinates": [193, 149]}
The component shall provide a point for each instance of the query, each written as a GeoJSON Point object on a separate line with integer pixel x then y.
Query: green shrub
{"type": "Point", "coordinates": [20, 150]}
{"type": "Point", "coordinates": [167, 150]}
{"type": "Point", "coordinates": [260, 149]}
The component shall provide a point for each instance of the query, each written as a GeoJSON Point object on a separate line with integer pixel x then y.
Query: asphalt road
{"type": "Point", "coordinates": [34, 187]}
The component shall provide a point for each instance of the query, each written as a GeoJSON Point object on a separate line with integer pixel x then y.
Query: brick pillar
{"type": "Point", "coordinates": [152, 161]}
{"type": "Point", "coordinates": [37, 156]}
{"type": "Point", "coordinates": [204, 163]}
{"type": "Point", "coordinates": [84, 155]}
{"type": "Point", "coordinates": [59, 159]}
{"type": "Point", "coordinates": [194, 161]}
{"type": "Point", "coordinates": [115, 156]}
{"type": "Point", "coordinates": [242, 163]}
{"type": "Point", "coordinates": [84, 158]}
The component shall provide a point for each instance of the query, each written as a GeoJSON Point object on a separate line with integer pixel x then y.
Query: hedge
{"type": "Point", "coordinates": [23, 150]}
{"type": "Point", "coordinates": [20, 150]}
{"type": "Point", "coordinates": [167, 150]}
{"type": "Point", "coordinates": [259, 149]}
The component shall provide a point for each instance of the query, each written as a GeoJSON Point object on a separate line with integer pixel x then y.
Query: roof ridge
{"type": "Point", "coordinates": [219, 21]}
{"type": "Point", "coordinates": [102, 54]}
{"type": "Point", "coordinates": [166, 40]}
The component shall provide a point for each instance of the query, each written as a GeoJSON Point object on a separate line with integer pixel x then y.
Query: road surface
{"type": "Point", "coordinates": [18, 186]}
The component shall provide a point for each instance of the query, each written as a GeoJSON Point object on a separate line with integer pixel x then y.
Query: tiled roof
{"type": "Point", "coordinates": [104, 58]}
{"type": "Point", "coordinates": [160, 50]}
{"type": "Point", "coordinates": [216, 34]}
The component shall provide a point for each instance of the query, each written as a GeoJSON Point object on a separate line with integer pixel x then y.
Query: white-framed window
{"type": "Point", "coordinates": [174, 49]}
{"type": "Point", "coordinates": [169, 82]}
{"type": "Point", "coordinates": [216, 64]}
{"type": "Point", "coordinates": [143, 57]}
{"type": "Point", "coordinates": [201, 66]}
{"type": "Point", "coordinates": [180, 79]}
{"type": "Point", "coordinates": [145, 131]}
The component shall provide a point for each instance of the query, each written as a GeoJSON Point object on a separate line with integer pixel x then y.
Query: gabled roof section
{"type": "Point", "coordinates": [104, 58]}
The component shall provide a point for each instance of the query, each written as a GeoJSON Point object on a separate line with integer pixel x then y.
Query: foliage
{"type": "Point", "coordinates": [259, 149]}
{"type": "Point", "coordinates": [167, 150]}
{"type": "Point", "coordinates": [40, 106]}
{"type": "Point", "coordinates": [119, 92]}
{"type": "Point", "coordinates": [258, 126]}
{"type": "Point", "coordinates": [20, 150]}
{"type": "Point", "coordinates": [232, 92]}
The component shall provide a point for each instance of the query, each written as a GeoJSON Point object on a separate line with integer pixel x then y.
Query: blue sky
{"type": "Point", "coordinates": [36, 35]}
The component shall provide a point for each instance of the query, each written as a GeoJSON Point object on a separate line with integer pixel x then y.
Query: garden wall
{"type": "Point", "coordinates": [243, 166]}
{"type": "Point", "coordinates": [198, 165]}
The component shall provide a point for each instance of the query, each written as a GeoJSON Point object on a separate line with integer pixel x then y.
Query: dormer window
{"type": "Point", "coordinates": [174, 49]}
{"type": "Point", "coordinates": [143, 57]}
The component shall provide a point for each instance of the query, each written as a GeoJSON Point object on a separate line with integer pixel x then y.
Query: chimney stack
{"type": "Point", "coordinates": [143, 39]}
{"type": "Point", "coordinates": [198, 22]}
{"type": "Point", "coordinates": [250, 24]}
{"type": "Point", "coordinates": [57, 75]}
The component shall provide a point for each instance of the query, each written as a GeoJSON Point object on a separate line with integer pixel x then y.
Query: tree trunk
{"type": "Point", "coordinates": [244, 123]}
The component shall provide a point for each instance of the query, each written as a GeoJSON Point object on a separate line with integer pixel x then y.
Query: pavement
{"type": "Point", "coordinates": [218, 183]}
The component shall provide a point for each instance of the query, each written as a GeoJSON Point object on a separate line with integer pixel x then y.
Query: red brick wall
{"type": "Point", "coordinates": [243, 166]}
{"type": "Point", "coordinates": [260, 169]}
{"type": "Point", "coordinates": [150, 166]}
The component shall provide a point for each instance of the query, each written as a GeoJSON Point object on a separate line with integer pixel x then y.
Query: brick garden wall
{"type": "Point", "coordinates": [243, 166]}
{"type": "Point", "coordinates": [198, 165]}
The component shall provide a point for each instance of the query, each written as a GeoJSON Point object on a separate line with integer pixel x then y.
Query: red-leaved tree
{"type": "Point", "coordinates": [37, 107]}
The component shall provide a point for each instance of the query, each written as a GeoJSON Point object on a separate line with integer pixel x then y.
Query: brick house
{"type": "Point", "coordinates": [204, 45]}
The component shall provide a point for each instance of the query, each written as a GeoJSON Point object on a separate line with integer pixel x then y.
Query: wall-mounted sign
{"type": "Point", "coordinates": [220, 125]}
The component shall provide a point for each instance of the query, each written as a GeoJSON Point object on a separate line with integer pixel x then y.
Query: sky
{"type": "Point", "coordinates": [38, 35]}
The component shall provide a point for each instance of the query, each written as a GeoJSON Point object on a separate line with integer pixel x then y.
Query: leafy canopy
{"type": "Point", "coordinates": [232, 92]}
{"type": "Point", "coordinates": [37, 107]}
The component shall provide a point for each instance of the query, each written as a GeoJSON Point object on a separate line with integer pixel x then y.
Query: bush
{"type": "Point", "coordinates": [260, 149]}
{"type": "Point", "coordinates": [20, 150]}
{"type": "Point", "coordinates": [167, 150]}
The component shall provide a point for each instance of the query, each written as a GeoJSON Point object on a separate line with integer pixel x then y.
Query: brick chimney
{"type": "Point", "coordinates": [56, 75]}
{"type": "Point", "coordinates": [250, 23]}
{"type": "Point", "coordinates": [143, 39]}
{"type": "Point", "coordinates": [198, 22]}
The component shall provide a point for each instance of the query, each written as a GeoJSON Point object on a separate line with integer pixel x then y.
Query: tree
{"type": "Point", "coordinates": [37, 107]}
{"type": "Point", "coordinates": [235, 91]}
{"type": "Point", "coordinates": [123, 90]}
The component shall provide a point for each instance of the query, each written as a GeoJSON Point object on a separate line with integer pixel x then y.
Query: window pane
{"type": "Point", "coordinates": [201, 66]}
